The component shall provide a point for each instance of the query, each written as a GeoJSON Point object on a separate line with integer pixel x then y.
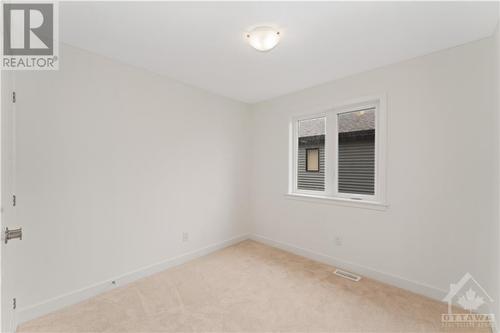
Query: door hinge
{"type": "Point", "coordinates": [14, 200]}
{"type": "Point", "coordinates": [13, 234]}
{"type": "Point", "coordinates": [13, 97]}
{"type": "Point", "coordinates": [14, 303]}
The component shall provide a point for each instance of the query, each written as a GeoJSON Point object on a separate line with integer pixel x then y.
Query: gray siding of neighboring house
{"type": "Point", "coordinates": [307, 180]}
{"type": "Point", "coordinates": [357, 162]}
{"type": "Point", "coordinates": [356, 170]}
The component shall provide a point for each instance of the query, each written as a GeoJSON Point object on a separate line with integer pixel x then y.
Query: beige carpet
{"type": "Point", "coordinates": [249, 287]}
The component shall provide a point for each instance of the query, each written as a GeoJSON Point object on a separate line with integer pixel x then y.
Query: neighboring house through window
{"type": "Point", "coordinates": [311, 155]}
{"type": "Point", "coordinates": [340, 153]}
{"type": "Point", "coordinates": [356, 152]}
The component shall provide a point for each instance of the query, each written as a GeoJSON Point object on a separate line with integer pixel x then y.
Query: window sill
{"type": "Point", "coordinates": [338, 201]}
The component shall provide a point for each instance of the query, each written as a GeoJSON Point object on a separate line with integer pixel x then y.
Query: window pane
{"type": "Point", "coordinates": [311, 155]}
{"type": "Point", "coordinates": [356, 152]}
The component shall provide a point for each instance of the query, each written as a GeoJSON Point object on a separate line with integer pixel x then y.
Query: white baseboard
{"type": "Point", "coordinates": [397, 281]}
{"type": "Point", "coordinates": [53, 304]}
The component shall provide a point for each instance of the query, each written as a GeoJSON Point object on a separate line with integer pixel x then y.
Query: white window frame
{"type": "Point", "coordinates": [331, 192]}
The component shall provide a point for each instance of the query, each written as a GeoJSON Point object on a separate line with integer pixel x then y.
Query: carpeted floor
{"type": "Point", "coordinates": [249, 287]}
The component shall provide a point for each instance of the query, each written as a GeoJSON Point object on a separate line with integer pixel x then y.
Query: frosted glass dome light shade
{"type": "Point", "coordinates": [263, 38]}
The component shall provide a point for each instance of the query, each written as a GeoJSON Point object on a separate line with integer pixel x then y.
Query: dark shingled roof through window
{"type": "Point", "coordinates": [351, 122]}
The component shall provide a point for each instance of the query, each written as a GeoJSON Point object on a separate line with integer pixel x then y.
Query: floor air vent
{"type": "Point", "coordinates": [347, 275]}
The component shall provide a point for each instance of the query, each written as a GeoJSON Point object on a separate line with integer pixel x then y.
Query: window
{"type": "Point", "coordinates": [312, 160]}
{"type": "Point", "coordinates": [340, 154]}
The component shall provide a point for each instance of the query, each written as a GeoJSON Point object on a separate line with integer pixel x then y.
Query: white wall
{"type": "Point", "coordinates": [441, 174]}
{"type": "Point", "coordinates": [113, 164]}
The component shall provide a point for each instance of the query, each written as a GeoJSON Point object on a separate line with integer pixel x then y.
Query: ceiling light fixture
{"type": "Point", "coordinates": [263, 38]}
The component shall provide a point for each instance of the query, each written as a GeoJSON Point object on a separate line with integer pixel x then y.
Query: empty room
{"type": "Point", "coordinates": [250, 166]}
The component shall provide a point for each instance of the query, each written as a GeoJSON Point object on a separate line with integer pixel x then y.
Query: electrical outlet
{"type": "Point", "coordinates": [185, 236]}
{"type": "Point", "coordinates": [338, 241]}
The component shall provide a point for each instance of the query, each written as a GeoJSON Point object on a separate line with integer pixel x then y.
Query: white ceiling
{"type": "Point", "coordinates": [202, 44]}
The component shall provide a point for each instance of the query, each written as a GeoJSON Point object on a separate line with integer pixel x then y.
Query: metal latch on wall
{"type": "Point", "coordinates": [13, 234]}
